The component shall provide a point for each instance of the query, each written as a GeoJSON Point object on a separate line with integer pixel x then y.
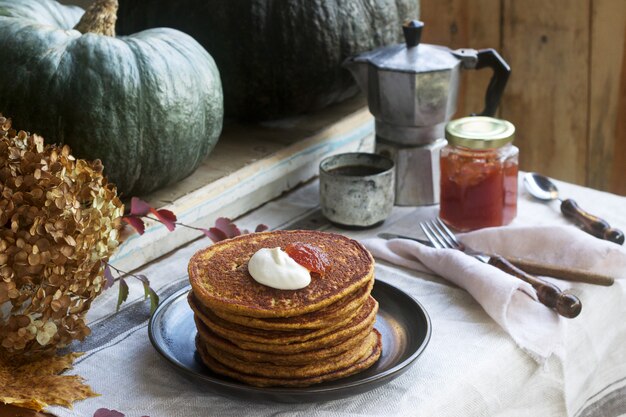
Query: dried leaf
{"type": "Point", "coordinates": [215, 234]}
{"type": "Point", "coordinates": [138, 207]}
{"type": "Point", "coordinates": [108, 276]}
{"type": "Point", "coordinates": [105, 412]}
{"type": "Point", "coordinates": [37, 384]}
{"type": "Point", "coordinates": [207, 233]}
{"type": "Point", "coordinates": [166, 217]}
{"type": "Point", "coordinates": [146, 285]}
{"type": "Point", "coordinates": [154, 300]}
{"type": "Point", "coordinates": [136, 223]}
{"type": "Point", "coordinates": [61, 221]}
{"type": "Point", "coordinates": [149, 292]}
{"type": "Point", "coordinates": [229, 228]}
{"type": "Point", "coordinates": [123, 293]}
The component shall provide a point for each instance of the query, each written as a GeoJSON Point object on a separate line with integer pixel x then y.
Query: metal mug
{"type": "Point", "coordinates": [357, 189]}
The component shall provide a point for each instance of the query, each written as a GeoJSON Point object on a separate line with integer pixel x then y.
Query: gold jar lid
{"type": "Point", "coordinates": [480, 132]}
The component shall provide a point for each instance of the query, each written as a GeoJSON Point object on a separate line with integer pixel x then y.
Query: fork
{"type": "Point", "coordinates": [567, 305]}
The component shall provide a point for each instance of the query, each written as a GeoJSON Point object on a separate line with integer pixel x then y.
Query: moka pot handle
{"type": "Point", "coordinates": [487, 58]}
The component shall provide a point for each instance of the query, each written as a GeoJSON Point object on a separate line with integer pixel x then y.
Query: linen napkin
{"type": "Point", "coordinates": [509, 301]}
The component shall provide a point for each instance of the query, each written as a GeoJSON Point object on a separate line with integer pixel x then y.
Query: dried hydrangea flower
{"type": "Point", "coordinates": [59, 219]}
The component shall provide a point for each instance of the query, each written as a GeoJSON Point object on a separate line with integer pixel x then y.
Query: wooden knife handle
{"type": "Point", "coordinates": [567, 305]}
{"type": "Point", "coordinates": [591, 224]}
{"type": "Point", "coordinates": [560, 272]}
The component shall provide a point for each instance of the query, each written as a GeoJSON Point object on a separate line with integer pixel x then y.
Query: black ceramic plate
{"type": "Point", "coordinates": [401, 320]}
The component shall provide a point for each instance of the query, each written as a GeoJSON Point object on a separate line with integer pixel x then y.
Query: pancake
{"type": "Point", "coordinates": [363, 363]}
{"type": "Point", "coordinates": [292, 338]}
{"type": "Point", "coordinates": [323, 318]}
{"type": "Point", "coordinates": [303, 358]}
{"type": "Point", "coordinates": [220, 279]}
{"type": "Point", "coordinates": [313, 369]}
{"type": "Point", "coordinates": [273, 337]}
{"type": "Point", "coordinates": [364, 318]}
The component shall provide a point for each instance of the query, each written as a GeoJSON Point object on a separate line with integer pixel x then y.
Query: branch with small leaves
{"type": "Point", "coordinates": [139, 211]}
{"type": "Point", "coordinates": [111, 279]}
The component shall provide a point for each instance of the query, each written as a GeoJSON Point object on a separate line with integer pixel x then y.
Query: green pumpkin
{"type": "Point", "coordinates": [149, 105]}
{"type": "Point", "coordinates": [278, 57]}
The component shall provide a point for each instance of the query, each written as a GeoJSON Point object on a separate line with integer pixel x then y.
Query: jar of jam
{"type": "Point", "coordinates": [478, 173]}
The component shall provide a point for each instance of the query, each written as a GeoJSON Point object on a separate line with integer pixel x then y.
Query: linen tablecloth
{"type": "Point", "coordinates": [470, 367]}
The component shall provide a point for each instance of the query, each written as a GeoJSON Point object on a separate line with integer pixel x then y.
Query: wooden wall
{"type": "Point", "coordinates": [618, 174]}
{"type": "Point", "coordinates": [567, 92]}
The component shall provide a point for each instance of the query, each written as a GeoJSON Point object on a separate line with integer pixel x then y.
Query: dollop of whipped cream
{"type": "Point", "coordinates": [274, 268]}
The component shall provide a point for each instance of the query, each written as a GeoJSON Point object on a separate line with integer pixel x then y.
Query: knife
{"type": "Point", "coordinates": [548, 294]}
{"type": "Point", "coordinates": [532, 267]}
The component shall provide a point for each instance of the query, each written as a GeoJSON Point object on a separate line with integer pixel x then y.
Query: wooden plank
{"type": "Point", "coordinates": [547, 45]}
{"type": "Point", "coordinates": [465, 24]}
{"type": "Point", "coordinates": [608, 33]}
{"type": "Point", "coordinates": [253, 165]}
{"type": "Point", "coordinates": [618, 171]}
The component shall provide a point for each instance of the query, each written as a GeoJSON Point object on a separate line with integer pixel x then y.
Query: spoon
{"type": "Point", "coordinates": [542, 188]}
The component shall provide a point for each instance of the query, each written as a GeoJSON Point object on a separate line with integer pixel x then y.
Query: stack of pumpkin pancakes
{"type": "Point", "coordinates": [291, 338]}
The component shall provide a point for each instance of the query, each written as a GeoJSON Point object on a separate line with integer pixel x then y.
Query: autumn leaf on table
{"type": "Point", "coordinates": [105, 412]}
{"type": "Point", "coordinates": [37, 384]}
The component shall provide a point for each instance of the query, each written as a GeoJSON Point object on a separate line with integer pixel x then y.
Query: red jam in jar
{"type": "Point", "coordinates": [478, 173]}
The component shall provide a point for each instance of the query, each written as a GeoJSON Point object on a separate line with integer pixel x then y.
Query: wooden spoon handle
{"type": "Point", "coordinates": [567, 305]}
{"type": "Point", "coordinates": [591, 224]}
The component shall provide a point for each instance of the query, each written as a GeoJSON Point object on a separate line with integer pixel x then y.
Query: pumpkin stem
{"type": "Point", "coordinates": [99, 18]}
